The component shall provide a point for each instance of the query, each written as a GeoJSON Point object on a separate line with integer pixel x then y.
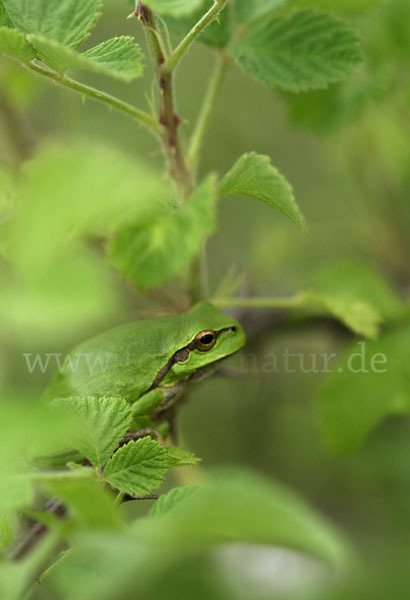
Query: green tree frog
{"type": "Point", "coordinates": [149, 362]}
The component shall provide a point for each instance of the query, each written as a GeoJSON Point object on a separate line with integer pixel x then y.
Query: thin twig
{"type": "Point", "coordinates": [191, 36]}
{"type": "Point", "coordinates": [142, 117]}
{"type": "Point", "coordinates": [168, 118]}
{"type": "Point", "coordinates": [207, 108]}
{"type": "Point", "coordinates": [286, 302]}
{"type": "Point", "coordinates": [36, 532]}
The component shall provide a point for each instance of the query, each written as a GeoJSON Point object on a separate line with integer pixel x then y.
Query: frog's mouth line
{"type": "Point", "coordinates": [181, 356]}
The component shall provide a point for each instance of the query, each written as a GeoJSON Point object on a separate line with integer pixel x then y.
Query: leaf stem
{"type": "Point", "coordinates": [290, 302]}
{"type": "Point", "coordinates": [38, 562]}
{"type": "Point", "coordinates": [208, 105]}
{"type": "Point", "coordinates": [183, 46]}
{"type": "Point", "coordinates": [144, 118]}
{"type": "Point", "coordinates": [119, 498]}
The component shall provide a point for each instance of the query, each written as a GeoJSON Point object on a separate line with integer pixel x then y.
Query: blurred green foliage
{"type": "Point", "coordinates": [345, 149]}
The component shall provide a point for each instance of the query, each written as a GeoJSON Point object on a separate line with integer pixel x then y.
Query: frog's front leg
{"type": "Point", "coordinates": [154, 404]}
{"type": "Point", "coordinates": [154, 414]}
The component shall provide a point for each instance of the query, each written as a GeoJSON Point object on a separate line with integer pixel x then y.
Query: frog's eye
{"type": "Point", "coordinates": [205, 341]}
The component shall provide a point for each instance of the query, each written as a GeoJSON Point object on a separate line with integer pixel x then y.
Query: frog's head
{"type": "Point", "coordinates": [209, 336]}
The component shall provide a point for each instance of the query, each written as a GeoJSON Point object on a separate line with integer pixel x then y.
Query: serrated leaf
{"type": "Point", "coordinates": [370, 383]}
{"type": "Point", "coordinates": [88, 503]}
{"type": "Point", "coordinates": [179, 457]}
{"type": "Point", "coordinates": [65, 21]}
{"type": "Point", "coordinates": [102, 423]}
{"type": "Point", "coordinates": [175, 8]}
{"type": "Point", "coordinates": [254, 176]}
{"type": "Point", "coordinates": [248, 11]}
{"type": "Point", "coordinates": [164, 240]}
{"type": "Point", "coordinates": [137, 468]}
{"type": "Point", "coordinates": [119, 57]}
{"type": "Point", "coordinates": [304, 50]}
{"type": "Point", "coordinates": [167, 501]}
{"type": "Point", "coordinates": [14, 44]}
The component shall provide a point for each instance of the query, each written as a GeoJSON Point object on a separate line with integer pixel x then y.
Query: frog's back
{"type": "Point", "coordinates": [122, 362]}
{"type": "Point", "coordinates": [125, 361]}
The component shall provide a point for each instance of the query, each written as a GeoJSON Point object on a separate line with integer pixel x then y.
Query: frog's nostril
{"type": "Point", "coordinates": [234, 329]}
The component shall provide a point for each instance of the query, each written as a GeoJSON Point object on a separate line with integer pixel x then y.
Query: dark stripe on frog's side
{"type": "Point", "coordinates": [180, 356]}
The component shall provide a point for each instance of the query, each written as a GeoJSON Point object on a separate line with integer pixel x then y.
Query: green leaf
{"type": "Point", "coordinates": [179, 457]}
{"type": "Point", "coordinates": [330, 110]}
{"type": "Point", "coordinates": [248, 11]}
{"type": "Point", "coordinates": [167, 501]}
{"type": "Point", "coordinates": [237, 505]}
{"type": "Point", "coordinates": [216, 34]}
{"type": "Point", "coordinates": [231, 508]}
{"type": "Point", "coordinates": [14, 44]}
{"type": "Point", "coordinates": [338, 5]}
{"type": "Point", "coordinates": [371, 383]}
{"type": "Point", "coordinates": [137, 468]}
{"type": "Point", "coordinates": [5, 20]}
{"type": "Point", "coordinates": [362, 318]}
{"type": "Point", "coordinates": [65, 21]}
{"type": "Point", "coordinates": [359, 281]}
{"type": "Point", "coordinates": [24, 424]}
{"type": "Point", "coordinates": [57, 300]}
{"type": "Point", "coordinates": [119, 57]}
{"type": "Point", "coordinates": [303, 50]}
{"type": "Point", "coordinates": [6, 531]}
{"type": "Point", "coordinates": [15, 491]}
{"type": "Point", "coordinates": [355, 294]}
{"type": "Point", "coordinates": [175, 8]}
{"type": "Point", "coordinates": [359, 316]}
{"type": "Point", "coordinates": [7, 186]}
{"type": "Point", "coordinates": [102, 423]}
{"type": "Point", "coordinates": [164, 240]}
{"type": "Point", "coordinates": [16, 578]}
{"type": "Point", "coordinates": [70, 189]}
{"type": "Point", "coordinates": [254, 176]}
{"type": "Point", "coordinates": [89, 504]}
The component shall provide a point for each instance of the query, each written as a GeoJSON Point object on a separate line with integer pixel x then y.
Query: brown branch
{"type": "Point", "coordinates": [168, 118]}
{"type": "Point", "coordinates": [37, 531]}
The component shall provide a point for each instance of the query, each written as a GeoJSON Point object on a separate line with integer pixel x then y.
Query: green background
{"type": "Point", "coordinates": [351, 179]}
